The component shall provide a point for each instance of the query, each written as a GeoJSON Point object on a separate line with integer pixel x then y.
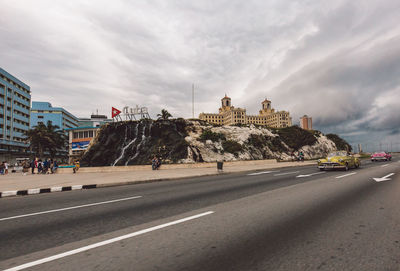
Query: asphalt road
{"type": "Point", "coordinates": [288, 219]}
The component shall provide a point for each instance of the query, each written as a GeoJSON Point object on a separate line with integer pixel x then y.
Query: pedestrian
{"type": "Point", "coordinates": [54, 167]}
{"type": "Point", "coordinates": [5, 167]}
{"type": "Point", "coordinates": [154, 163]}
{"type": "Point", "coordinates": [76, 166]}
{"type": "Point", "coordinates": [2, 168]}
{"type": "Point", "coordinates": [25, 167]}
{"type": "Point", "coordinates": [40, 166]}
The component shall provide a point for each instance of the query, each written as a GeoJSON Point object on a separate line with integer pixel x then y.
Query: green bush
{"type": "Point", "coordinates": [295, 137]}
{"type": "Point", "coordinates": [232, 146]}
{"type": "Point", "coordinates": [207, 134]}
{"type": "Point", "coordinates": [258, 141]}
{"type": "Point", "coordinates": [340, 143]}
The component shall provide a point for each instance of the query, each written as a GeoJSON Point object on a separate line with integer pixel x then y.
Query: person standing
{"type": "Point", "coordinates": [5, 167]}
{"type": "Point", "coordinates": [40, 166]}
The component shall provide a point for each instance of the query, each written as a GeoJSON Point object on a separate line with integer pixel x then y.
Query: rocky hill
{"type": "Point", "coordinates": [184, 141]}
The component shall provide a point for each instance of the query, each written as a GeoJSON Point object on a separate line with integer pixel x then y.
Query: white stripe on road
{"type": "Point", "coordinates": [106, 242]}
{"type": "Point", "coordinates": [286, 173]}
{"type": "Point", "coordinates": [342, 176]}
{"type": "Point", "coordinates": [385, 165]}
{"type": "Point", "coordinates": [69, 208]}
{"type": "Point", "coordinates": [309, 175]}
{"type": "Point", "coordinates": [259, 173]}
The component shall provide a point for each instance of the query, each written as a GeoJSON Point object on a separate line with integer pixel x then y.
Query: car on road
{"type": "Point", "coordinates": [381, 156]}
{"type": "Point", "coordinates": [339, 160]}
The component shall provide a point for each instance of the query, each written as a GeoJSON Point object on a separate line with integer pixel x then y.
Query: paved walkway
{"type": "Point", "coordinates": [17, 181]}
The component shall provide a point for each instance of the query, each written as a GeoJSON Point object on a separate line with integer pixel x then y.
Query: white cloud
{"type": "Point", "coordinates": [336, 61]}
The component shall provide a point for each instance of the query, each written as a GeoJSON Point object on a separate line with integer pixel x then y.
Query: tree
{"type": "Point", "coordinates": [46, 138]}
{"type": "Point", "coordinates": [164, 115]}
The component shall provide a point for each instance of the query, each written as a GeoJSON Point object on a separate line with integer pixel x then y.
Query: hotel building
{"type": "Point", "coordinates": [229, 115]}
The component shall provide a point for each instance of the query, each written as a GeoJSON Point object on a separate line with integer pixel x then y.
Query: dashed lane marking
{"type": "Point", "coordinates": [262, 172]}
{"type": "Point", "coordinates": [342, 176]}
{"type": "Point", "coordinates": [286, 173]}
{"type": "Point", "coordinates": [69, 208]}
{"type": "Point", "coordinates": [103, 243]}
{"type": "Point", "coordinates": [309, 175]}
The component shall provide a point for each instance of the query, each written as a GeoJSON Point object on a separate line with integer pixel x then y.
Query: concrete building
{"type": "Point", "coordinates": [79, 140]}
{"type": "Point", "coordinates": [42, 112]}
{"type": "Point", "coordinates": [229, 115]}
{"type": "Point", "coordinates": [95, 120]}
{"type": "Point", "coordinates": [15, 103]}
{"type": "Point", "coordinates": [306, 122]}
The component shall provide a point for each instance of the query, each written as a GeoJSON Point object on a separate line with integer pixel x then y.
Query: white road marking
{"type": "Point", "coordinates": [309, 175]}
{"type": "Point", "coordinates": [103, 243]}
{"type": "Point", "coordinates": [342, 176]}
{"type": "Point", "coordinates": [69, 208]}
{"type": "Point", "coordinates": [286, 173]}
{"type": "Point", "coordinates": [259, 173]}
{"type": "Point", "coordinates": [385, 165]}
{"type": "Point", "coordinates": [384, 178]}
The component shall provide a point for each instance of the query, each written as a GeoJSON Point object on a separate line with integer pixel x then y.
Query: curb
{"type": "Point", "coordinates": [45, 190]}
{"type": "Point", "coordinates": [34, 191]}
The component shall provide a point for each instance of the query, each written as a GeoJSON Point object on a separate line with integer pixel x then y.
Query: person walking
{"type": "Point", "coordinates": [54, 167]}
{"type": "Point", "coordinates": [76, 166]}
{"type": "Point", "coordinates": [2, 168]}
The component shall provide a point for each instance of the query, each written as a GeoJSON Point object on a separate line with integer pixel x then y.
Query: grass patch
{"type": "Point", "coordinates": [340, 143]}
{"type": "Point", "coordinates": [207, 134]}
{"type": "Point", "coordinates": [295, 137]}
{"type": "Point", "coordinates": [232, 147]}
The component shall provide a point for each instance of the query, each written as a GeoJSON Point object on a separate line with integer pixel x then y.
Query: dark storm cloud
{"type": "Point", "coordinates": [337, 61]}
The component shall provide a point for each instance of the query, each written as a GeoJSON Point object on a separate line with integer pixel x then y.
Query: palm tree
{"type": "Point", "coordinates": [164, 115]}
{"type": "Point", "coordinates": [44, 138]}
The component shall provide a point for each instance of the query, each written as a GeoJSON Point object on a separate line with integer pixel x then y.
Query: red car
{"type": "Point", "coordinates": [381, 156]}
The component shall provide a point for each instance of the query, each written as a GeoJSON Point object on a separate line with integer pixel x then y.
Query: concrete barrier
{"type": "Point", "coordinates": [165, 166]}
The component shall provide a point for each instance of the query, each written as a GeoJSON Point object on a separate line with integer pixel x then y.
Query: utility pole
{"type": "Point", "coordinates": [193, 100]}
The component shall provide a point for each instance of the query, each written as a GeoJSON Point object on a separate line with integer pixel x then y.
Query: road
{"type": "Point", "coordinates": [288, 219]}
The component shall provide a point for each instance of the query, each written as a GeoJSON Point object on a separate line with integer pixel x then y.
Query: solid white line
{"type": "Point", "coordinates": [342, 176]}
{"type": "Point", "coordinates": [106, 242]}
{"type": "Point", "coordinates": [68, 208]}
{"type": "Point", "coordinates": [286, 173]}
{"type": "Point", "coordinates": [384, 165]}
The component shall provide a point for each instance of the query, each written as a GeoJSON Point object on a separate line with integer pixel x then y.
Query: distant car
{"type": "Point", "coordinates": [381, 156]}
{"type": "Point", "coordinates": [339, 160]}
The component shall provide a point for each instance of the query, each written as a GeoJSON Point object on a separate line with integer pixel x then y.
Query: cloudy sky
{"type": "Point", "coordinates": [337, 61]}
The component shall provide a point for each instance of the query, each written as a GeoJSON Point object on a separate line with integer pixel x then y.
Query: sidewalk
{"type": "Point", "coordinates": [35, 184]}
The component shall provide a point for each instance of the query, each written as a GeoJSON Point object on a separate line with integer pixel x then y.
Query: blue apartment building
{"type": "Point", "coordinates": [42, 112]}
{"type": "Point", "coordinates": [15, 103]}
